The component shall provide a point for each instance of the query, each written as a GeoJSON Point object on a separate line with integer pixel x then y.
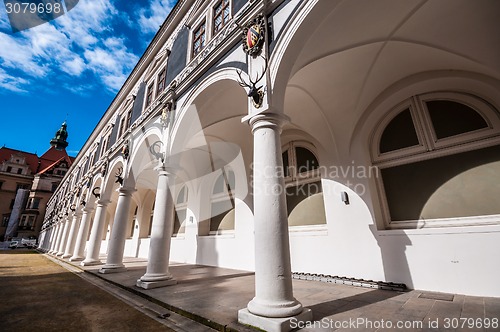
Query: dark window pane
{"type": "Point", "coordinates": [399, 133]}
{"type": "Point", "coordinates": [460, 185]}
{"type": "Point", "coordinates": [450, 118]}
{"type": "Point", "coordinates": [286, 165]}
{"type": "Point", "coordinates": [180, 198]}
{"type": "Point", "coordinates": [306, 161]}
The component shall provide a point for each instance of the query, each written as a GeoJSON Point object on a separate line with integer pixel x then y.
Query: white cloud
{"type": "Point", "coordinates": [11, 83]}
{"type": "Point", "coordinates": [150, 19]}
{"type": "Point", "coordinates": [112, 63]}
{"type": "Point", "coordinates": [74, 67]}
{"type": "Point", "coordinates": [74, 43]}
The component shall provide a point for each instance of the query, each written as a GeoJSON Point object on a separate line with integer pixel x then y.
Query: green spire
{"type": "Point", "coordinates": [59, 141]}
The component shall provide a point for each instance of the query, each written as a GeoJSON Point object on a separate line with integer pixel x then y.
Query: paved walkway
{"type": "Point", "coordinates": [214, 295]}
{"type": "Point", "coordinates": [38, 295]}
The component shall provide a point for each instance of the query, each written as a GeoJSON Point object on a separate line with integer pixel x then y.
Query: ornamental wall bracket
{"type": "Point", "coordinates": [97, 195]}
{"type": "Point", "coordinates": [104, 168]}
{"type": "Point", "coordinates": [253, 36]}
{"type": "Point", "coordinates": [125, 150]}
{"type": "Point", "coordinates": [167, 108]}
{"type": "Point", "coordinates": [255, 93]}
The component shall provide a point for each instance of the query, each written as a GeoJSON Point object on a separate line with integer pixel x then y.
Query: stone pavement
{"type": "Point", "coordinates": [213, 296]}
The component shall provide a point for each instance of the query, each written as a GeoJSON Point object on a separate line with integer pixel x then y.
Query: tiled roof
{"type": "Point", "coordinates": [37, 164]}
{"type": "Point", "coordinates": [31, 158]}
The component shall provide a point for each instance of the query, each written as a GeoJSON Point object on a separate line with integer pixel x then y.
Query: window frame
{"type": "Point", "coordinates": [159, 80]}
{"type": "Point", "coordinates": [202, 24]}
{"type": "Point", "coordinates": [304, 178]}
{"type": "Point", "coordinates": [181, 206]}
{"type": "Point", "coordinates": [149, 93]}
{"type": "Point", "coordinates": [214, 15]}
{"type": "Point", "coordinates": [433, 148]}
{"type": "Point", "coordinates": [221, 197]}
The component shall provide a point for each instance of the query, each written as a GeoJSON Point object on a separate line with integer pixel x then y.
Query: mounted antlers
{"type": "Point", "coordinates": [255, 92]}
{"type": "Point", "coordinates": [119, 178]}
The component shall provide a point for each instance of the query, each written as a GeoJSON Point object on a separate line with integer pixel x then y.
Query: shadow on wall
{"type": "Point", "coordinates": [393, 251]}
{"type": "Point", "coordinates": [460, 185]}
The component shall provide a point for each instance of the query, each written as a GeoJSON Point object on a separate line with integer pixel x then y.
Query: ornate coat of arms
{"type": "Point", "coordinates": [253, 36]}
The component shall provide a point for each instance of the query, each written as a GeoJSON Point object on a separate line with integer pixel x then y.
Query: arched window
{"type": "Point", "coordinates": [439, 156]}
{"type": "Point", "coordinates": [222, 203]}
{"type": "Point", "coordinates": [132, 222]}
{"type": "Point", "coordinates": [151, 219]}
{"type": "Point", "coordinates": [304, 194]}
{"type": "Point", "coordinates": [181, 209]}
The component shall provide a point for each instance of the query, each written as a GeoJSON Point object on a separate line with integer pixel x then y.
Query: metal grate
{"type": "Point", "coordinates": [350, 281]}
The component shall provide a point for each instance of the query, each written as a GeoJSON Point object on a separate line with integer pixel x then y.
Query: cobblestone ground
{"type": "Point", "coordinates": [39, 295]}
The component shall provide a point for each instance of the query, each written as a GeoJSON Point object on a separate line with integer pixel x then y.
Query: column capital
{"type": "Point", "coordinates": [126, 190]}
{"type": "Point", "coordinates": [88, 209]}
{"type": "Point", "coordinates": [103, 202]}
{"type": "Point", "coordinates": [268, 120]}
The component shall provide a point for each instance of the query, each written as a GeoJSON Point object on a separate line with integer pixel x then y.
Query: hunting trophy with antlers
{"type": "Point", "coordinates": [256, 93]}
{"type": "Point", "coordinates": [119, 178]}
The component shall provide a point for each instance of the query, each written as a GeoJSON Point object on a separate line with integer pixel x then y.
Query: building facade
{"type": "Point", "coordinates": [39, 177]}
{"type": "Point", "coordinates": [347, 138]}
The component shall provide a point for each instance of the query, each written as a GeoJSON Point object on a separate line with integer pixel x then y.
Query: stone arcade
{"type": "Point", "coordinates": [347, 138]}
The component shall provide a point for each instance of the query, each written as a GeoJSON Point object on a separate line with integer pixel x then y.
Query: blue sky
{"type": "Point", "coordinates": [70, 68]}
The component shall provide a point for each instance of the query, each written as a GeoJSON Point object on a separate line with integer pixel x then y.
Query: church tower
{"type": "Point", "coordinates": [59, 141]}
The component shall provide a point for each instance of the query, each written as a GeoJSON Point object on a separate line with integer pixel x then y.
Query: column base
{"type": "Point", "coordinates": [274, 324]}
{"type": "Point", "coordinates": [155, 284]}
{"type": "Point", "coordinates": [90, 262]}
{"type": "Point", "coordinates": [75, 259]}
{"type": "Point", "coordinates": [112, 269]}
{"type": "Point", "coordinates": [66, 256]}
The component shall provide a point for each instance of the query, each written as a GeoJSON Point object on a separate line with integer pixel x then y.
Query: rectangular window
{"type": "Point", "coordinates": [5, 220]}
{"type": "Point", "coordinates": [122, 125]}
{"type": "Point", "coordinates": [19, 171]}
{"type": "Point", "coordinates": [54, 186]}
{"type": "Point", "coordinates": [161, 81]}
{"type": "Point", "coordinates": [31, 222]}
{"type": "Point", "coordinates": [221, 15]}
{"type": "Point", "coordinates": [35, 203]}
{"type": "Point", "coordinates": [129, 115]}
{"type": "Point", "coordinates": [22, 186]}
{"type": "Point", "coordinates": [149, 97]}
{"type": "Point", "coordinates": [9, 169]}
{"type": "Point", "coordinates": [22, 223]}
{"type": "Point", "coordinates": [199, 39]}
{"type": "Point", "coordinates": [1, 183]}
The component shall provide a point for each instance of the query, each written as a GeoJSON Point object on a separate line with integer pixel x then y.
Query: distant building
{"type": "Point", "coordinates": [39, 175]}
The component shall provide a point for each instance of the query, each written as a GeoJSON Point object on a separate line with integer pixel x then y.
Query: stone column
{"type": "Point", "coordinates": [94, 247]}
{"type": "Point", "coordinates": [157, 274]}
{"type": "Point", "coordinates": [273, 307]}
{"type": "Point", "coordinates": [64, 236]}
{"type": "Point", "coordinates": [52, 237]}
{"type": "Point", "coordinates": [114, 261]}
{"type": "Point", "coordinates": [83, 232]}
{"type": "Point", "coordinates": [48, 245]}
{"type": "Point", "coordinates": [57, 239]}
{"type": "Point", "coordinates": [70, 245]}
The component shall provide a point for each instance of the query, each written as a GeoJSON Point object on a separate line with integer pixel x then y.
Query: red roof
{"type": "Point", "coordinates": [31, 158]}
{"type": "Point", "coordinates": [52, 155]}
{"type": "Point", "coordinates": [37, 165]}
